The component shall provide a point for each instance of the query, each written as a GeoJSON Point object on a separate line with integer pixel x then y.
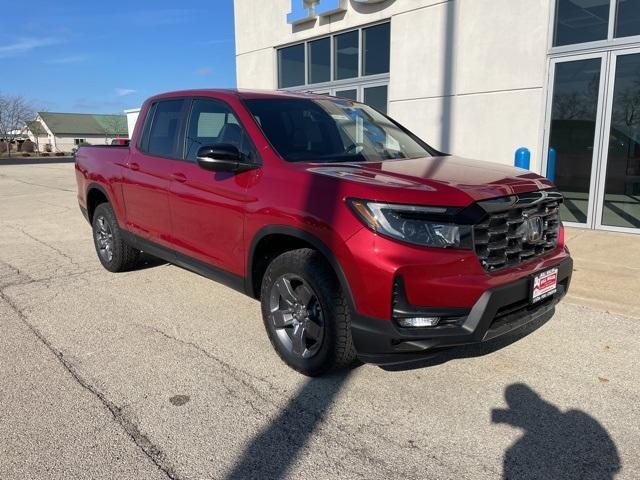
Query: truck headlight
{"type": "Point", "coordinates": [419, 225]}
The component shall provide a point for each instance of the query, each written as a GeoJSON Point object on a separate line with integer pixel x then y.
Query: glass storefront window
{"type": "Point", "coordinates": [593, 139]}
{"type": "Point", "coordinates": [342, 55]}
{"type": "Point", "coordinates": [622, 182]}
{"type": "Point", "coordinates": [580, 21]}
{"type": "Point", "coordinates": [351, 94]}
{"type": "Point", "coordinates": [320, 60]}
{"type": "Point", "coordinates": [376, 97]}
{"type": "Point", "coordinates": [628, 18]}
{"type": "Point", "coordinates": [353, 65]}
{"type": "Point", "coordinates": [291, 66]}
{"type": "Point", "coordinates": [572, 136]}
{"type": "Point", "coordinates": [376, 49]}
{"type": "Point", "coordinates": [347, 48]}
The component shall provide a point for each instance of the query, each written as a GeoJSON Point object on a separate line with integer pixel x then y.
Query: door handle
{"type": "Point", "coordinates": [179, 177]}
{"type": "Point", "coordinates": [134, 166]}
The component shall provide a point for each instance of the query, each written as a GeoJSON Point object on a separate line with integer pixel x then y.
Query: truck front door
{"type": "Point", "coordinates": [207, 208]}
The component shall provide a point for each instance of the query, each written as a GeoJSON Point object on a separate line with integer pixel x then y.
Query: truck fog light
{"type": "Point", "coordinates": [418, 322]}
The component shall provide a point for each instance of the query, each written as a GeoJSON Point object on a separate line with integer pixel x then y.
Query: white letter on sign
{"type": "Point", "coordinates": [301, 11]}
{"type": "Point", "coordinates": [306, 10]}
{"type": "Point", "coordinates": [329, 7]}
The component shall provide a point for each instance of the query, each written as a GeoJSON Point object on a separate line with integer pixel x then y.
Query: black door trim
{"type": "Point", "coordinates": [201, 268]}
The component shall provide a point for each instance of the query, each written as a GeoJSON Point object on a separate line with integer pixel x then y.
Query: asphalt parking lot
{"type": "Point", "coordinates": [160, 373]}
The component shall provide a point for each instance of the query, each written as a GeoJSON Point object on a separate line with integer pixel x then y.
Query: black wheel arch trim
{"type": "Point", "coordinates": [305, 236]}
{"type": "Point", "coordinates": [101, 189]}
{"type": "Point", "coordinates": [85, 213]}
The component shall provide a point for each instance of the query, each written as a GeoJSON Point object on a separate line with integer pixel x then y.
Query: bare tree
{"type": "Point", "coordinates": [577, 105]}
{"type": "Point", "coordinates": [15, 111]}
{"type": "Point", "coordinates": [114, 125]}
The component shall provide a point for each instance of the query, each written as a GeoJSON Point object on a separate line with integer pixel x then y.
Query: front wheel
{"type": "Point", "coordinates": [306, 314]}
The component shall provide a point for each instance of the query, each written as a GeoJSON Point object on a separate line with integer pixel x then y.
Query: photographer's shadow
{"type": "Point", "coordinates": [556, 445]}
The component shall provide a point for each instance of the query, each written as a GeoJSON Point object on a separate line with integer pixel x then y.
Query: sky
{"type": "Point", "coordinates": [103, 57]}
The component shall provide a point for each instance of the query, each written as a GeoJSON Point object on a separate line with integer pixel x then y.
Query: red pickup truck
{"type": "Point", "coordinates": [358, 238]}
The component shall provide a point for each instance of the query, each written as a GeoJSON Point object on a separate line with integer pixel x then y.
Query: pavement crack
{"type": "Point", "coordinates": [21, 278]}
{"type": "Point", "coordinates": [146, 446]}
{"type": "Point", "coordinates": [55, 205]}
{"type": "Point", "coordinates": [227, 367]}
{"type": "Point", "coordinates": [49, 187]}
{"type": "Point", "coordinates": [65, 255]}
{"type": "Point", "coordinates": [320, 418]}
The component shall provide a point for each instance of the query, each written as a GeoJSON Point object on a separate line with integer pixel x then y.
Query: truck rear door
{"type": "Point", "coordinates": [149, 175]}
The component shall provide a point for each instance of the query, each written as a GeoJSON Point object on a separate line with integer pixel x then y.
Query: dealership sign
{"type": "Point", "coordinates": [306, 10]}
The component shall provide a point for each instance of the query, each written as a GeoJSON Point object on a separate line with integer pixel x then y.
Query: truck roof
{"type": "Point", "coordinates": [238, 93]}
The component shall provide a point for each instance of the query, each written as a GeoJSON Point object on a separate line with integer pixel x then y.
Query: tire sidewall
{"type": "Point", "coordinates": [323, 360]}
{"type": "Point", "coordinates": [104, 210]}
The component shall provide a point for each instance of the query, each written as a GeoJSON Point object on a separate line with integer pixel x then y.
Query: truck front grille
{"type": "Point", "coordinates": [517, 229]}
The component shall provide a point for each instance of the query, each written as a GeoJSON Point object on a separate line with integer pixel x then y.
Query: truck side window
{"type": "Point", "coordinates": [213, 122]}
{"type": "Point", "coordinates": [165, 129]}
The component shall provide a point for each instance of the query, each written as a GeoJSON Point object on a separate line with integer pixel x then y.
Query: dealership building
{"type": "Point", "coordinates": [476, 78]}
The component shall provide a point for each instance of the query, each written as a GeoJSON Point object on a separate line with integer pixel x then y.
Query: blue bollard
{"type": "Point", "coordinates": [551, 165]}
{"type": "Point", "coordinates": [523, 158]}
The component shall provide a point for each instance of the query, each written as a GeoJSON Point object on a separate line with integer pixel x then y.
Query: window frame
{"type": "Point", "coordinates": [305, 62]}
{"type": "Point", "coordinates": [363, 51]}
{"type": "Point", "coordinates": [334, 58]}
{"type": "Point", "coordinates": [365, 87]}
{"type": "Point", "coordinates": [361, 78]}
{"type": "Point", "coordinates": [143, 140]}
{"type": "Point", "coordinates": [148, 125]}
{"type": "Point", "coordinates": [187, 123]}
{"type": "Point", "coordinates": [610, 42]}
{"type": "Point", "coordinates": [308, 62]}
{"type": "Point", "coordinates": [359, 87]}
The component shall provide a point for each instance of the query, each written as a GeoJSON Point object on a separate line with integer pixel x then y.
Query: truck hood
{"type": "Point", "coordinates": [447, 177]}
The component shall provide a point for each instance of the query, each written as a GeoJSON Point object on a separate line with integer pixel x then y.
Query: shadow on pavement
{"type": "Point", "coordinates": [439, 357]}
{"type": "Point", "coordinates": [276, 448]}
{"type": "Point", "coordinates": [556, 445]}
{"type": "Point", "coordinates": [147, 260]}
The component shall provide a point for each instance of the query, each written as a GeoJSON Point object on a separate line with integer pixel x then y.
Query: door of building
{"type": "Point", "coordinates": [592, 145]}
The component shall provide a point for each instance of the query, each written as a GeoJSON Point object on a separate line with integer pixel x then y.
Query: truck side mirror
{"type": "Point", "coordinates": [222, 157]}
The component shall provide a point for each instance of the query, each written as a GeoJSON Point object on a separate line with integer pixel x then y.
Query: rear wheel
{"type": "Point", "coordinates": [114, 254]}
{"type": "Point", "coordinates": [306, 314]}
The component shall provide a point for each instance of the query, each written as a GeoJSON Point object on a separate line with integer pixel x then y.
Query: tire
{"type": "Point", "coordinates": [313, 303]}
{"type": "Point", "coordinates": [114, 254]}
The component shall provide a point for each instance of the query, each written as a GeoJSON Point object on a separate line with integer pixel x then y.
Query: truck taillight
{"type": "Point", "coordinates": [561, 236]}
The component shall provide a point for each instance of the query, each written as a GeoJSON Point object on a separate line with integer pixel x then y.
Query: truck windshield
{"type": "Point", "coordinates": [326, 130]}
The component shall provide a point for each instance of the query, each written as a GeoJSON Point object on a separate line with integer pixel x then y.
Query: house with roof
{"type": "Point", "coordinates": [62, 132]}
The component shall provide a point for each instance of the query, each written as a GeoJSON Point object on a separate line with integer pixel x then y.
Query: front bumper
{"type": "Point", "coordinates": [498, 311]}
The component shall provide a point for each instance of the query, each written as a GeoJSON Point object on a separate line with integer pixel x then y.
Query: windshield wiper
{"type": "Point", "coordinates": [355, 159]}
